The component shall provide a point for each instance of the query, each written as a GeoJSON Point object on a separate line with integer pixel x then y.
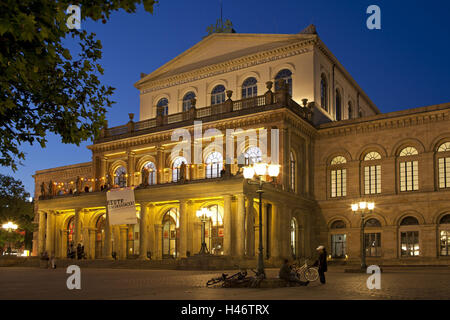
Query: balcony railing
{"type": "Point", "coordinates": [230, 108]}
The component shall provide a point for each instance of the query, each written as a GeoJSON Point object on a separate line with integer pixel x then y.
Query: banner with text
{"type": "Point", "coordinates": [121, 206]}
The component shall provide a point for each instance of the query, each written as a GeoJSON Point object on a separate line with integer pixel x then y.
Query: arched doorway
{"type": "Point", "coordinates": [70, 236]}
{"type": "Point", "coordinates": [170, 233]}
{"type": "Point", "coordinates": [214, 230]}
{"type": "Point", "coordinates": [100, 236]}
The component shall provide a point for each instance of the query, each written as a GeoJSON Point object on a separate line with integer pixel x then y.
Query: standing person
{"type": "Point", "coordinates": [79, 251]}
{"type": "Point", "coordinates": [53, 261]}
{"type": "Point", "coordinates": [322, 263]}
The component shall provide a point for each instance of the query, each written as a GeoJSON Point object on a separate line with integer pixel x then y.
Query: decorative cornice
{"type": "Point", "coordinates": [231, 65]}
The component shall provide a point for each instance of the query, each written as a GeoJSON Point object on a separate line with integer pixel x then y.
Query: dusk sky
{"type": "Point", "coordinates": [404, 65]}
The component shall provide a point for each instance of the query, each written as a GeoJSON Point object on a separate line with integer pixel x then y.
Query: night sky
{"type": "Point", "coordinates": [404, 65]}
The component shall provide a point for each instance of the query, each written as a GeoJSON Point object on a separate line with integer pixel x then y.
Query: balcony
{"type": "Point", "coordinates": [229, 109]}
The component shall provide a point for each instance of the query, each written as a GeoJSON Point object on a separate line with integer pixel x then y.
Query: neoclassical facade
{"type": "Point", "coordinates": [281, 99]}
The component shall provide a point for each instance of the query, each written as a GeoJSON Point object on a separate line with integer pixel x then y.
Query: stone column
{"type": "Point", "coordinates": [49, 241]}
{"type": "Point", "coordinates": [240, 223]}
{"type": "Point", "coordinates": [284, 225]}
{"type": "Point", "coordinates": [250, 219]}
{"type": "Point", "coordinates": [160, 165]}
{"type": "Point", "coordinates": [42, 229]}
{"type": "Point", "coordinates": [190, 228]}
{"type": "Point", "coordinates": [91, 252]}
{"type": "Point", "coordinates": [285, 147]}
{"type": "Point", "coordinates": [276, 232]}
{"type": "Point", "coordinates": [131, 169]}
{"type": "Point", "coordinates": [77, 225]}
{"type": "Point", "coordinates": [102, 177]}
{"type": "Point", "coordinates": [227, 225]}
{"type": "Point", "coordinates": [143, 234]}
{"type": "Point", "coordinates": [107, 244]}
{"type": "Point", "coordinates": [123, 242]}
{"type": "Point", "coordinates": [157, 245]}
{"type": "Point", "coordinates": [183, 229]}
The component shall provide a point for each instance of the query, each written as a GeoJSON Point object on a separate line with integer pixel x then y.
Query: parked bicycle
{"type": "Point", "coordinates": [305, 271]}
{"type": "Point", "coordinates": [237, 280]}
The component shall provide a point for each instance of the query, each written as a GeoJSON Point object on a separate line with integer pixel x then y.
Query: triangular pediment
{"type": "Point", "coordinates": [221, 47]}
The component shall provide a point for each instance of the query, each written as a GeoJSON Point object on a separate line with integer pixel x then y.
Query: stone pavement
{"type": "Point", "coordinates": [396, 283]}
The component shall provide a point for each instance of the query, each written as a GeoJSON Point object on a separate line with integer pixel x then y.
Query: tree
{"type": "Point", "coordinates": [42, 87]}
{"type": "Point", "coordinates": [16, 207]}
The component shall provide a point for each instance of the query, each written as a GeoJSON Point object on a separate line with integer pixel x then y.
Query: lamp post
{"type": "Point", "coordinates": [363, 207]}
{"type": "Point", "coordinates": [9, 227]}
{"type": "Point", "coordinates": [260, 169]}
{"type": "Point", "coordinates": [204, 215]}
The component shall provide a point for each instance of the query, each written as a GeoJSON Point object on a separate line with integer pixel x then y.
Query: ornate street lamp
{"type": "Point", "coordinates": [204, 215]}
{"type": "Point", "coordinates": [254, 175]}
{"type": "Point", "coordinates": [9, 227]}
{"type": "Point", "coordinates": [362, 207]}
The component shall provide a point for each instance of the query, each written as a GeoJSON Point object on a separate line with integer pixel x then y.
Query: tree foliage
{"type": "Point", "coordinates": [15, 207]}
{"type": "Point", "coordinates": [43, 87]}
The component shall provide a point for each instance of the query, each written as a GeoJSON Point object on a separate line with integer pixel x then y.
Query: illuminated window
{"type": "Point", "coordinates": [372, 239]}
{"type": "Point", "coordinates": [444, 165]}
{"type": "Point", "coordinates": [151, 168]}
{"type": "Point", "coordinates": [163, 104]}
{"type": "Point", "coordinates": [176, 165]}
{"type": "Point", "coordinates": [120, 178]}
{"type": "Point", "coordinates": [338, 177]}
{"type": "Point", "coordinates": [187, 100]}
{"type": "Point", "coordinates": [294, 238]}
{"type": "Point", "coordinates": [170, 227]}
{"type": "Point", "coordinates": [444, 235]}
{"type": "Point", "coordinates": [372, 174]}
{"type": "Point", "coordinates": [324, 92]}
{"type": "Point", "coordinates": [409, 237]}
{"type": "Point", "coordinates": [409, 170]}
{"type": "Point", "coordinates": [218, 95]}
{"type": "Point", "coordinates": [214, 164]}
{"type": "Point", "coordinates": [214, 230]}
{"type": "Point", "coordinates": [252, 155]}
{"type": "Point", "coordinates": [249, 88]}
{"type": "Point", "coordinates": [292, 171]}
{"type": "Point", "coordinates": [286, 75]}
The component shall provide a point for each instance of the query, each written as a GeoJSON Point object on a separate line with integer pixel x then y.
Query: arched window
{"type": "Point", "coordinates": [409, 169]}
{"type": "Point", "coordinates": [444, 232]}
{"type": "Point", "coordinates": [151, 169]}
{"type": "Point", "coordinates": [218, 95]}
{"type": "Point", "coordinates": [286, 75]}
{"type": "Point", "coordinates": [338, 177]}
{"type": "Point", "coordinates": [252, 155]}
{"type": "Point", "coordinates": [372, 173]}
{"type": "Point", "coordinates": [176, 172]}
{"type": "Point", "coordinates": [292, 171]}
{"type": "Point", "coordinates": [249, 88]}
{"type": "Point", "coordinates": [372, 239]}
{"type": "Point", "coordinates": [294, 238]}
{"type": "Point", "coordinates": [338, 105]}
{"type": "Point", "coordinates": [163, 104]}
{"type": "Point", "coordinates": [444, 165]}
{"type": "Point", "coordinates": [350, 110]}
{"type": "Point", "coordinates": [338, 224]}
{"type": "Point", "coordinates": [187, 100]}
{"type": "Point", "coordinates": [409, 237]}
{"type": "Point", "coordinates": [214, 164]}
{"type": "Point", "coordinates": [324, 92]}
{"type": "Point", "coordinates": [120, 177]}
{"type": "Point", "coordinates": [170, 228]}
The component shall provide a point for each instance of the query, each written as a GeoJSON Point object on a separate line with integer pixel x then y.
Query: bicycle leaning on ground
{"type": "Point", "coordinates": [237, 280]}
{"type": "Point", "coordinates": [305, 271]}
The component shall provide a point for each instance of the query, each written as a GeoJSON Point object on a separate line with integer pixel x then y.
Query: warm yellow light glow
{"type": "Point", "coordinates": [10, 225]}
{"type": "Point", "coordinates": [354, 207]}
{"type": "Point", "coordinates": [273, 170]}
{"type": "Point", "coordinates": [249, 172]}
{"type": "Point", "coordinates": [371, 205]}
{"type": "Point", "coordinates": [260, 168]}
{"type": "Point", "coordinates": [362, 205]}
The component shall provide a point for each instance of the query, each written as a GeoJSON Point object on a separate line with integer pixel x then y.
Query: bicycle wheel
{"type": "Point", "coordinates": [213, 281]}
{"type": "Point", "coordinates": [311, 274]}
